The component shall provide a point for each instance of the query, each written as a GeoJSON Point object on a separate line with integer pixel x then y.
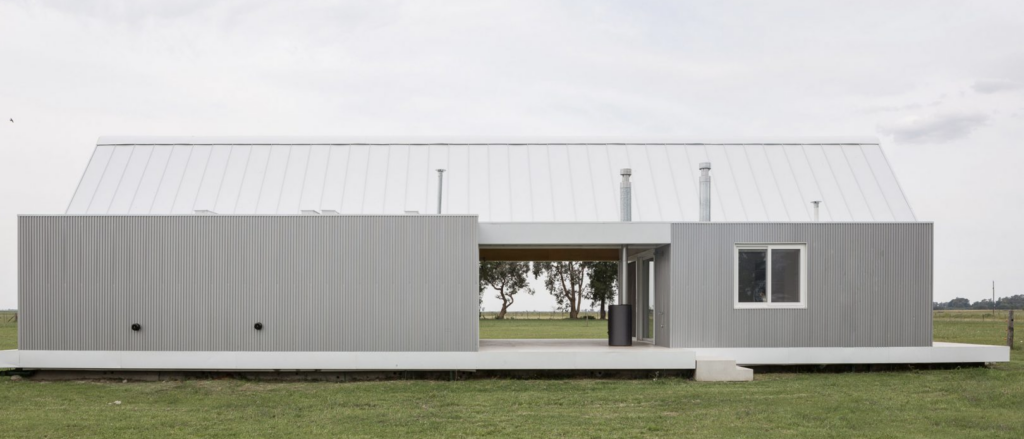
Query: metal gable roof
{"type": "Point", "coordinates": [515, 180]}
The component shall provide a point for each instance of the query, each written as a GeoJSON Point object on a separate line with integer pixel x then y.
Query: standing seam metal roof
{"type": "Point", "coordinates": [513, 180]}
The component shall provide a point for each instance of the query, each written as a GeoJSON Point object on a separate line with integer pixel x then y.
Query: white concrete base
{"type": "Point", "coordinates": [9, 359]}
{"type": "Point", "coordinates": [938, 352]}
{"type": "Point", "coordinates": [500, 355]}
{"type": "Point", "coordinates": [721, 369]}
{"type": "Point", "coordinates": [493, 355]}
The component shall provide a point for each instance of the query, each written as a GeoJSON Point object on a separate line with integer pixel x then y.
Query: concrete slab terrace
{"type": "Point", "coordinates": [497, 355]}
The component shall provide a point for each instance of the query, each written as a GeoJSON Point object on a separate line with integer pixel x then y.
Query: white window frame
{"type": "Point", "coordinates": [802, 304]}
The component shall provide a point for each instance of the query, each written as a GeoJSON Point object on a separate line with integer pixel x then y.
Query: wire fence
{"type": "Point", "coordinates": [973, 314]}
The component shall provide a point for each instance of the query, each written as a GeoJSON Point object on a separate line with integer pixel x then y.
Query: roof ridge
{"type": "Point", "coordinates": [477, 140]}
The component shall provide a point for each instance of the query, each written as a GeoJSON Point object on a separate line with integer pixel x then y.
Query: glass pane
{"type": "Point", "coordinates": [752, 275]}
{"type": "Point", "coordinates": [785, 275]}
{"type": "Point", "coordinates": [650, 299]}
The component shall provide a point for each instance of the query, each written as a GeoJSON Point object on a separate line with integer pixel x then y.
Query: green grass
{"type": "Point", "coordinates": [975, 331]}
{"type": "Point", "coordinates": [962, 403]}
{"type": "Point", "coordinates": [979, 327]}
{"type": "Point", "coordinates": [543, 328]}
{"type": "Point", "coordinates": [8, 331]}
{"type": "Point", "coordinates": [959, 326]}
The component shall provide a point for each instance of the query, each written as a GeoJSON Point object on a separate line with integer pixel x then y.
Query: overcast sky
{"type": "Point", "coordinates": [940, 83]}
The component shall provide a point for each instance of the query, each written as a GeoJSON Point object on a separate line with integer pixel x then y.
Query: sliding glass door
{"type": "Point", "coordinates": [645, 299]}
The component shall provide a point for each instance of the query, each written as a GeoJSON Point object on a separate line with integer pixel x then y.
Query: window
{"type": "Point", "coordinates": [771, 276]}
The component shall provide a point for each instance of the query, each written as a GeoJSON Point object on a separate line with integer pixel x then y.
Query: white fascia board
{"type": "Point", "coordinates": [495, 140]}
{"type": "Point", "coordinates": [937, 353]}
{"type": "Point", "coordinates": [501, 358]}
{"type": "Point", "coordinates": [624, 359]}
{"type": "Point", "coordinates": [574, 234]}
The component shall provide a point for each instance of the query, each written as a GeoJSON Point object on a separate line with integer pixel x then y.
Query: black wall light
{"type": "Point", "coordinates": [136, 327]}
{"type": "Point", "coordinates": [258, 326]}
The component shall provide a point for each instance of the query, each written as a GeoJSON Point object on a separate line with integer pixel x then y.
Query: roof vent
{"type": "Point", "coordinates": [625, 196]}
{"type": "Point", "coordinates": [705, 191]}
{"type": "Point", "coordinates": [440, 186]}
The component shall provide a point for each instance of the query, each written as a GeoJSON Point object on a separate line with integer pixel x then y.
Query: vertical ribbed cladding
{"type": "Point", "coordinates": [868, 284]}
{"type": "Point", "coordinates": [200, 283]}
{"type": "Point", "coordinates": [663, 296]}
{"type": "Point", "coordinates": [23, 264]}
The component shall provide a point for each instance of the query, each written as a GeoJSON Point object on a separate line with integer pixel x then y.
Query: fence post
{"type": "Point", "coordinates": [1009, 330]}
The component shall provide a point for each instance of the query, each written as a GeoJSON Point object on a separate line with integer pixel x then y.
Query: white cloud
{"type": "Point", "coordinates": [934, 128]}
{"type": "Point", "coordinates": [990, 86]}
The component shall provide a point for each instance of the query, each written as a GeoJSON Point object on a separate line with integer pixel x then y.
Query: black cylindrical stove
{"type": "Point", "coordinates": [620, 325]}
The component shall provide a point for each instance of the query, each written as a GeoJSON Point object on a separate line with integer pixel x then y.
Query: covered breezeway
{"type": "Point", "coordinates": [641, 247]}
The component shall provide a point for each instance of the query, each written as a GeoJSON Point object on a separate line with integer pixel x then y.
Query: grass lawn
{"type": "Point", "coordinates": [8, 331]}
{"type": "Point", "coordinates": [974, 402]}
{"type": "Point", "coordinates": [543, 328]}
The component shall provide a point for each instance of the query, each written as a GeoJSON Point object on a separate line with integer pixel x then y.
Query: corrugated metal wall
{"type": "Point", "coordinates": [663, 296]}
{"type": "Point", "coordinates": [200, 283]}
{"type": "Point", "coordinates": [868, 284]}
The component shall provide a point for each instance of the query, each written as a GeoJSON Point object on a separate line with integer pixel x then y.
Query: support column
{"type": "Point", "coordinates": [623, 274]}
{"type": "Point", "coordinates": [620, 316]}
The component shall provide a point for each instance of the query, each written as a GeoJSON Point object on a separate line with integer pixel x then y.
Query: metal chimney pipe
{"type": "Point", "coordinates": [625, 196]}
{"type": "Point", "coordinates": [440, 187]}
{"type": "Point", "coordinates": [816, 203]}
{"type": "Point", "coordinates": [625, 214]}
{"type": "Point", "coordinates": [705, 191]}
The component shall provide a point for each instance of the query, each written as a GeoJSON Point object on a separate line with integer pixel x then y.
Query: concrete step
{"type": "Point", "coordinates": [721, 369]}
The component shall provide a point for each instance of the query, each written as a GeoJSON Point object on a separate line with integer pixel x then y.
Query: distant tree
{"type": "Point", "coordinates": [508, 279]}
{"type": "Point", "coordinates": [959, 303]}
{"type": "Point", "coordinates": [982, 304]}
{"type": "Point", "coordinates": [602, 284]}
{"type": "Point", "coordinates": [1013, 302]}
{"type": "Point", "coordinates": [480, 295]}
{"type": "Point", "coordinates": [567, 281]}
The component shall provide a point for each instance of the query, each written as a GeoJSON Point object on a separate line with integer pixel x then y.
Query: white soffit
{"type": "Point", "coordinates": [506, 180]}
{"type": "Point", "coordinates": [574, 234]}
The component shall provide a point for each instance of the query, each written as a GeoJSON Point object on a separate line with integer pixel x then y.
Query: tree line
{"type": "Point", "coordinates": [1012, 302]}
{"type": "Point", "coordinates": [569, 282]}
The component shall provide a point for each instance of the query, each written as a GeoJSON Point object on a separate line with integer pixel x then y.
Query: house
{"type": "Point", "coordinates": [193, 253]}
